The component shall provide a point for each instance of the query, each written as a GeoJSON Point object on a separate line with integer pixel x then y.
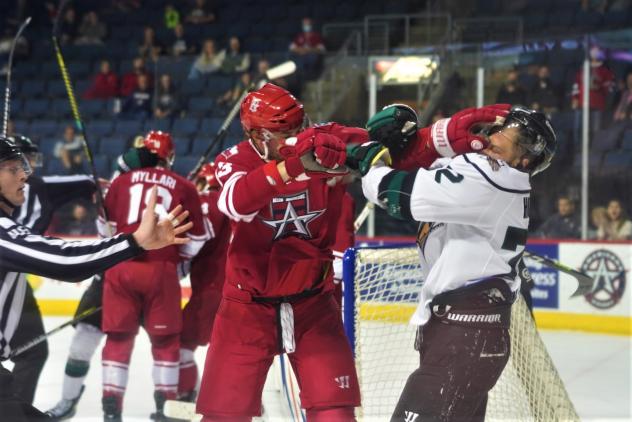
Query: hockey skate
{"type": "Point", "coordinates": [159, 414]}
{"type": "Point", "coordinates": [65, 408]}
{"type": "Point", "coordinates": [111, 410]}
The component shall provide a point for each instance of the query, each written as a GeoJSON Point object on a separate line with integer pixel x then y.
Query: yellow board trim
{"type": "Point", "coordinates": [607, 324]}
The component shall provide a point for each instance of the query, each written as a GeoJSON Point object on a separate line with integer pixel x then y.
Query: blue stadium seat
{"type": "Point", "coordinates": [606, 140]}
{"type": "Point", "coordinates": [157, 124]}
{"type": "Point", "coordinates": [588, 19]}
{"type": "Point", "coordinates": [81, 86]}
{"type": "Point", "coordinates": [191, 87]}
{"type": "Point", "coordinates": [22, 126]}
{"type": "Point", "coordinates": [563, 121]}
{"type": "Point", "coordinates": [219, 84]}
{"type": "Point", "coordinates": [113, 146]}
{"type": "Point", "coordinates": [47, 147]}
{"type": "Point", "coordinates": [33, 88]}
{"type": "Point", "coordinates": [187, 126]}
{"type": "Point", "coordinates": [183, 145]}
{"type": "Point", "coordinates": [60, 108]}
{"type": "Point", "coordinates": [56, 88]}
{"type": "Point", "coordinates": [102, 165]}
{"type": "Point", "coordinates": [200, 106]}
{"type": "Point", "coordinates": [35, 108]}
{"type": "Point", "coordinates": [615, 18]}
{"type": "Point", "coordinates": [93, 108]}
{"type": "Point", "coordinates": [99, 128]}
{"type": "Point", "coordinates": [199, 145]}
{"type": "Point", "coordinates": [49, 70]}
{"type": "Point", "coordinates": [54, 166]}
{"type": "Point", "coordinates": [617, 161]}
{"type": "Point", "coordinates": [183, 165]}
{"type": "Point", "coordinates": [210, 126]}
{"type": "Point", "coordinates": [45, 129]}
{"type": "Point", "coordinates": [79, 69]}
{"type": "Point", "coordinates": [626, 142]}
{"type": "Point", "coordinates": [128, 128]}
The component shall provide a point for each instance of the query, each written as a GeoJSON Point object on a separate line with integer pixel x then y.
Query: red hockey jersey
{"type": "Point", "coordinates": [282, 240]}
{"type": "Point", "coordinates": [128, 194]}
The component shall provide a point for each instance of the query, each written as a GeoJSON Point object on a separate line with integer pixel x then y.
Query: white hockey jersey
{"type": "Point", "coordinates": [474, 214]}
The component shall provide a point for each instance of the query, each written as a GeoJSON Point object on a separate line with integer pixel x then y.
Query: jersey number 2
{"type": "Point", "coordinates": [136, 195]}
{"type": "Point", "coordinates": [449, 174]}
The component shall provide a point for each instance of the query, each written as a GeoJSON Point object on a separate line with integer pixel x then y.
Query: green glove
{"type": "Point", "coordinates": [394, 126]}
{"type": "Point", "coordinates": [361, 158]}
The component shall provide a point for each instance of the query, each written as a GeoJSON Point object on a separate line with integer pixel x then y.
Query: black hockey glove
{"type": "Point", "coordinates": [394, 126]}
{"type": "Point", "coordinates": [360, 158]}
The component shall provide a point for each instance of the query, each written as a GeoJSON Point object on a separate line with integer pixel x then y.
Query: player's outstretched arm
{"type": "Point", "coordinates": [153, 233]}
{"type": "Point", "coordinates": [396, 127]}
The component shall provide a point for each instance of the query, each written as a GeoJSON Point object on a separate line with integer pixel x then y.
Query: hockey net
{"type": "Point", "coordinates": [381, 292]}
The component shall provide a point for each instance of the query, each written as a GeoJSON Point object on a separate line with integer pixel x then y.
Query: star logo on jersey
{"type": "Point", "coordinates": [608, 273]}
{"type": "Point", "coordinates": [290, 215]}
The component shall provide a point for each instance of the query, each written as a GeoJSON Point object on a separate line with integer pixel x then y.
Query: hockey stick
{"type": "Point", "coordinates": [284, 69]}
{"type": "Point", "coordinates": [7, 90]}
{"type": "Point", "coordinates": [584, 281]}
{"type": "Point", "coordinates": [76, 115]}
{"type": "Point", "coordinates": [39, 339]}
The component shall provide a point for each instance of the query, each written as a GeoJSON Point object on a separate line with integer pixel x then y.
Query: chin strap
{"type": "Point", "coordinates": [266, 152]}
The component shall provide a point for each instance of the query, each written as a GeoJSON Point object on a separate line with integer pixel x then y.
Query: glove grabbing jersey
{"type": "Point", "coordinates": [315, 153]}
{"type": "Point", "coordinates": [463, 132]}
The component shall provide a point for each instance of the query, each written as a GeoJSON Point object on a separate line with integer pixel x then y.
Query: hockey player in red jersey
{"type": "Point", "coordinates": [278, 294]}
{"type": "Point", "coordinates": [207, 281]}
{"type": "Point", "coordinates": [146, 289]}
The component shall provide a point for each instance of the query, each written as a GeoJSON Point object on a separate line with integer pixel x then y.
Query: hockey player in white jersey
{"type": "Point", "coordinates": [473, 214]}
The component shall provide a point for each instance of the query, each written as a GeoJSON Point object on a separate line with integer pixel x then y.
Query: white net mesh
{"type": "Point", "coordinates": [387, 283]}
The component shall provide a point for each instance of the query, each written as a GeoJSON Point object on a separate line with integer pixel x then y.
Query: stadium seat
{"type": "Point", "coordinates": [100, 128]}
{"type": "Point", "coordinates": [36, 108]}
{"type": "Point", "coordinates": [617, 161]}
{"type": "Point", "coordinates": [79, 69]}
{"type": "Point", "coordinates": [113, 146]}
{"type": "Point", "coordinates": [128, 128]}
{"type": "Point", "coordinates": [200, 106]}
{"type": "Point", "coordinates": [47, 147]}
{"type": "Point", "coordinates": [606, 140]}
{"type": "Point", "coordinates": [157, 124]}
{"type": "Point", "coordinates": [187, 126]}
{"type": "Point", "coordinates": [54, 166]}
{"type": "Point", "coordinates": [210, 126]}
{"type": "Point", "coordinates": [191, 87]}
{"type": "Point", "coordinates": [626, 142]}
{"type": "Point", "coordinates": [102, 166]}
{"type": "Point", "coordinates": [183, 165]}
{"type": "Point", "coordinates": [22, 126]}
{"type": "Point", "coordinates": [43, 129]}
{"type": "Point", "coordinates": [32, 88]}
{"type": "Point", "coordinates": [60, 109]}
{"type": "Point", "coordinates": [218, 85]}
{"type": "Point", "coordinates": [199, 145]}
{"type": "Point", "coordinates": [182, 145]}
{"type": "Point", "coordinates": [92, 108]}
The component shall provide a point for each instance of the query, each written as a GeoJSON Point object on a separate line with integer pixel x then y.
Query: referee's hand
{"type": "Point", "coordinates": [155, 234]}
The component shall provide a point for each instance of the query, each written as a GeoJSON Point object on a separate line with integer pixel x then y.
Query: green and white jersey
{"type": "Point", "coordinates": [474, 215]}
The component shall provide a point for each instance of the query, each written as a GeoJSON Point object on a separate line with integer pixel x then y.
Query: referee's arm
{"type": "Point", "coordinates": [21, 251]}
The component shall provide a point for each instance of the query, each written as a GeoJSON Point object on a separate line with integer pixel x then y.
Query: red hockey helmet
{"type": "Point", "coordinates": [207, 172]}
{"type": "Point", "coordinates": [161, 144]}
{"type": "Point", "coordinates": [272, 108]}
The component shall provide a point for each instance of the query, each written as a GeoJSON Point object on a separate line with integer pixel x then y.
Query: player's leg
{"type": "Point", "coordinates": [459, 365]}
{"type": "Point", "coordinates": [162, 319]}
{"type": "Point", "coordinates": [323, 361]}
{"type": "Point", "coordinates": [197, 322]}
{"type": "Point", "coordinates": [84, 343]}
{"type": "Point", "coordinates": [29, 364]}
{"type": "Point", "coordinates": [122, 307]}
{"type": "Point", "coordinates": [13, 408]}
{"type": "Point", "coordinates": [242, 347]}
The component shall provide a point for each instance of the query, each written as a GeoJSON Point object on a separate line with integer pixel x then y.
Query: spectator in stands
{"type": "Point", "coordinates": [130, 79]}
{"type": "Point", "coordinates": [623, 112]}
{"type": "Point", "coordinates": [208, 62]}
{"type": "Point", "coordinates": [564, 224]}
{"type": "Point", "coordinates": [511, 92]}
{"type": "Point", "coordinates": [307, 49]}
{"type": "Point", "coordinates": [235, 61]}
{"type": "Point", "coordinates": [105, 84]}
{"type": "Point", "coordinates": [180, 45]}
{"type": "Point", "coordinates": [172, 16]}
{"type": "Point", "coordinates": [601, 84]}
{"type": "Point", "coordinates": [22, 47]}
{"type": "Point", "coordinates": [70, 151]}
{"type": "Point", "coordinates": [150, 47]}
{"type": "Point", "coordinates": [167, 101]}
{"type": "Point", "coordinates": [617, 225]}
{"type": "Point", "coordinates": [92, 31]}
{"type": "Point", "coordinates": [233, 94]}
{"type": "Point", "coordinates": [262, 67]}
{"type": "Point", "coordinates": [200, 14]}
{"type": "Point", "coordinates": [544, 96]}
{"type": "Point", "coordinates": [68, 26]}
{"type": "Point", "coordinates": [598, 218]}
{"type": "Point", "coordinates": [80, 223]}
{"type": "Point", "coordinates": [138, 104]}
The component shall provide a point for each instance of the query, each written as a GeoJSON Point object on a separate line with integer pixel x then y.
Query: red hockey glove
{"type": "Point", "coordinates": [459, 134]}
{"type": "Point", "coordinates": [314, 153]}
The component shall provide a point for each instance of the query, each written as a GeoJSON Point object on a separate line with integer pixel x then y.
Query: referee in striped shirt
{"type": "Point", "coordinates": [43, 196]}
{"type": "Point", "coordinates": [23, 252]}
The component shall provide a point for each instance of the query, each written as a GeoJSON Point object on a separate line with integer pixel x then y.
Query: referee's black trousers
{"type": "Point", "coordinates": [28, 365]}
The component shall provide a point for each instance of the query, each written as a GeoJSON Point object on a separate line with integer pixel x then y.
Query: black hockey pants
{"type": "Point", "coordinates": [29, 364]}
{"type": "Point", "coordinates": [463, 350]}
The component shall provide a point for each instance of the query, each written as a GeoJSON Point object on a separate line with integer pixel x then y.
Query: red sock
{"type": "Point", "coordinates": [331, 414]}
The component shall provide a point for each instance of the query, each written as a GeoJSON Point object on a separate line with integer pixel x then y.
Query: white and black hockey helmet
{"type": "Point", "coordinates": [537, 136]}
